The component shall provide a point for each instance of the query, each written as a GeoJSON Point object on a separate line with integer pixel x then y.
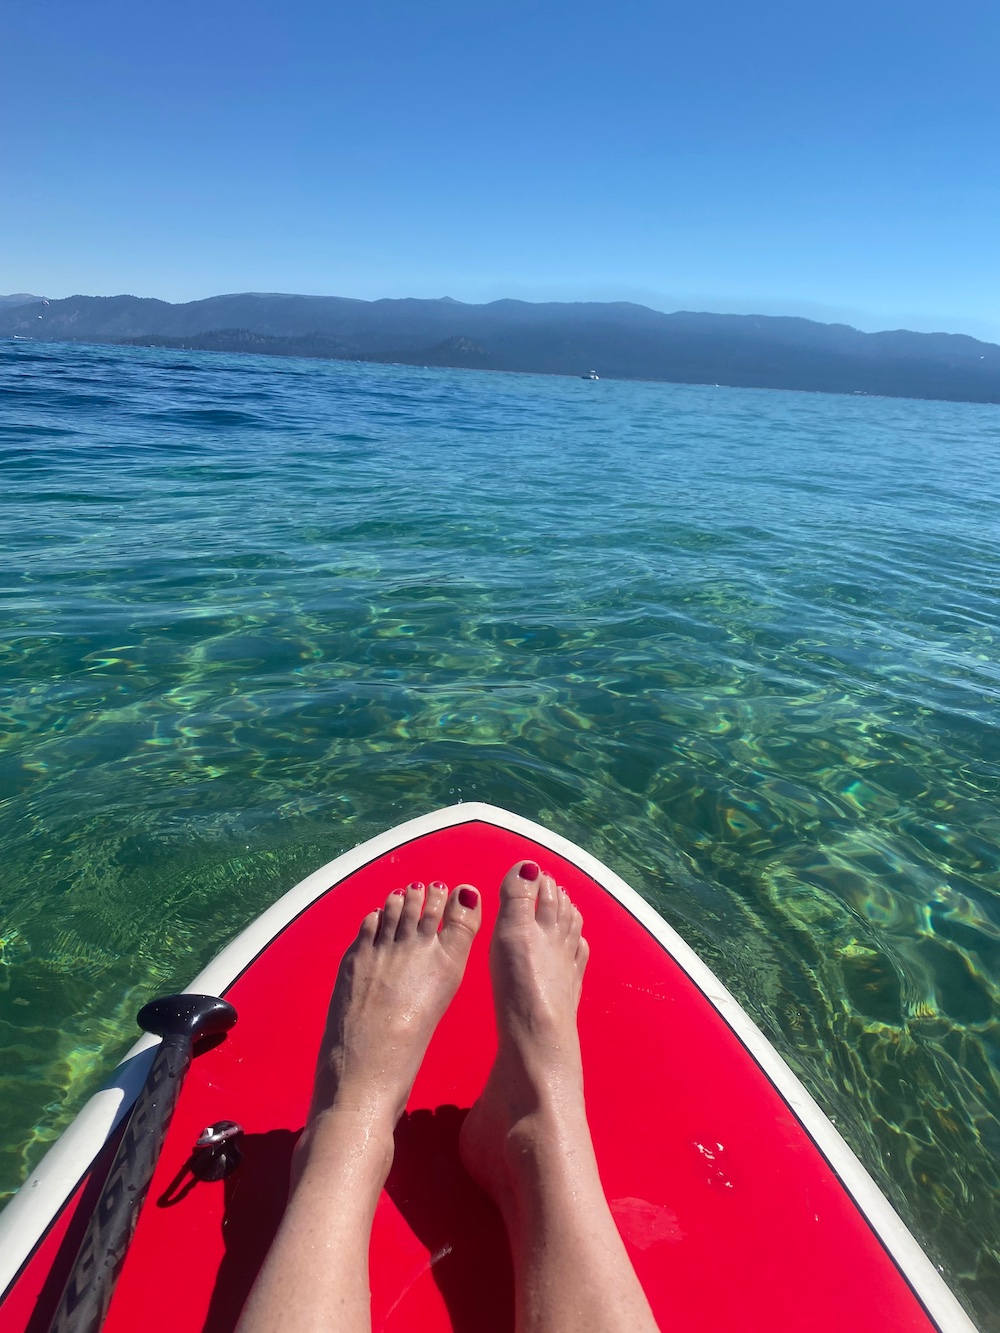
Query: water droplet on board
{"type": "Point", "coordinates": [717, 1174]}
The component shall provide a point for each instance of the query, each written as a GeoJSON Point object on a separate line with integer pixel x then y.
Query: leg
{"type": "Point", "coordinates": [394, 983]}
{"type": "Point", "coordinates": [527, 1142]}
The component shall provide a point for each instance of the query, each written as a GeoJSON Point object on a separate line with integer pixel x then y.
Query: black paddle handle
{"type": "Point", "coordinates": [91, 1284]}
{"type": "Point", "coordinates": [180, 1021]}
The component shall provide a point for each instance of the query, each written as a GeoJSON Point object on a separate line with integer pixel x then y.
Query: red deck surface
{"type": "Point", "coordinates": [732, 1218]}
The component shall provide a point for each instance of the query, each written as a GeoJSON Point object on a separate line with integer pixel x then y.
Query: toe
{"type": "Point", "coordinates": [413, 906]}
{"type": "Point", "coordinates": [575, 926]}
{"type": "Point", "coordinates": [463, 915]}
{"type": "Point", "coordinates": [519, 889]}
{"type": "Point", "coordinates": [565, 909]}
{"type": "Point", "coordinates": [547, 908]}
{"type": "Point", "coordinates": [582, 954]}
{"type": "Point", "coordinates": [434, 905]}
{"type": "Point", "coordinates": [390, 914]}
{"type": "Point", "coordinates": [368, 929]}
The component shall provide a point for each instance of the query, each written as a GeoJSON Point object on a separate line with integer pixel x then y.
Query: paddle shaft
{"type": "Point", "coordinates": [91, 1284]}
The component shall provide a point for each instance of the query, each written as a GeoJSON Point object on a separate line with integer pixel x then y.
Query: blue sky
{"type": "Point", "coordinates": [833, 160]}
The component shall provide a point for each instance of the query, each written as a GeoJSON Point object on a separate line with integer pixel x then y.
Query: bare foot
{"type": "Point", "coordinates": [535, 1090]}
{"type": "Point", "coordinates": [526, 1141]}
{"type": "Point", "coordinates": [394, 984]}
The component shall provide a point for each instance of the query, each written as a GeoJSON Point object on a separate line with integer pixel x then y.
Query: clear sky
{"type": "Point", "coordinates": [837, 160]}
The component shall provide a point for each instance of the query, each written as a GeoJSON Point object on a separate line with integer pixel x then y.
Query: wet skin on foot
{"type": "Point", "coordinates": [527, 1142]}
{"type": "Point", "coordinates": [394, 984]}
{"type": "Point", "coordinates": [537, 960]}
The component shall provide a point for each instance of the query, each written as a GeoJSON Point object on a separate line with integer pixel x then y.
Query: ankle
{"type": "Point", "coordinates": [543, 1134]}
{"type": "Point", "coordinates": [379, 1100]}
{"type": "Point", "coordinates": [542, 1087]}
{"type": "Point", "coordinates": [340, 1133]}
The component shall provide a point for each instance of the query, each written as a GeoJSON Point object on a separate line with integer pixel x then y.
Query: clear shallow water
{"type": "Point", "coordinates": [744, 646]}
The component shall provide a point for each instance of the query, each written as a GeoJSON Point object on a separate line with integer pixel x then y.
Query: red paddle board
{"type": "Point", "coordinates": [742, 1208]}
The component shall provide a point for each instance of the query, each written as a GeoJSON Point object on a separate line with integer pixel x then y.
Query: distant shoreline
{"type": "Point", "coordinates": [143, 344]}
{"type": "Point", "coordinates": [622, 341]}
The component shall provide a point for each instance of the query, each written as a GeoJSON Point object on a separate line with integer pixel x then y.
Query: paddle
{"type": "Point", "coordinates": [180, 1020]}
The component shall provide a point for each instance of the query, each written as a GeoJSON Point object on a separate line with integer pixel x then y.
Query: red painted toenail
{"type": "Point", "coordinates": [529, 870]}
{"type": "Point", "coordinates": [399, 891]}
{"type": "Point", "coordinates": [468, 898]}
{"type": "Point", "coordinates": [438, 884]}
{"type": "Point", "coordinates": [417, 884]}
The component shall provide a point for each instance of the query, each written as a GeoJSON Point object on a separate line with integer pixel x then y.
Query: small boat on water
{"type": "Point", "coordinates": [590, 375]}
{"type": "Point", "coordinates": [741, 1206]}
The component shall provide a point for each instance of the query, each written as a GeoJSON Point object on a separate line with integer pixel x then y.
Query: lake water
{"type": "Point", "coordinates": [742, 645]}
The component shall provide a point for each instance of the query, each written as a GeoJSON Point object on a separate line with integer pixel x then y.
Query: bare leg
{"type": "Point", "coordinates": [527, 1141]}
{"type": "Point", "coordinates": [394, 983]}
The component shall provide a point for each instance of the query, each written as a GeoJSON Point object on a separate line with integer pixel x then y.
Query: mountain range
{"type": "Point", "coordinates": [18, 298]}
{"type": "Point", "coordinates": [617, 339]}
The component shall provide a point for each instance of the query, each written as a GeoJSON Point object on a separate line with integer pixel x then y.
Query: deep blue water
{"type": "Point", "coordinates": [742, 645]}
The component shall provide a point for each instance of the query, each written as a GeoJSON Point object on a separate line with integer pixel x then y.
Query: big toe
{"type": "Point", "coordinates": [463, 915]}
{"type": "Point", "coordinates": [520, 885]}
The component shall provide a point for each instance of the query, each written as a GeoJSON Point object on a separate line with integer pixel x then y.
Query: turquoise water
{"type": "Point", "coordinates": [742, 645]}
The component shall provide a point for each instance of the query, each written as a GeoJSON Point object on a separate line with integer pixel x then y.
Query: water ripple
{"type": "Point", "coordinates": [742, 645]}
